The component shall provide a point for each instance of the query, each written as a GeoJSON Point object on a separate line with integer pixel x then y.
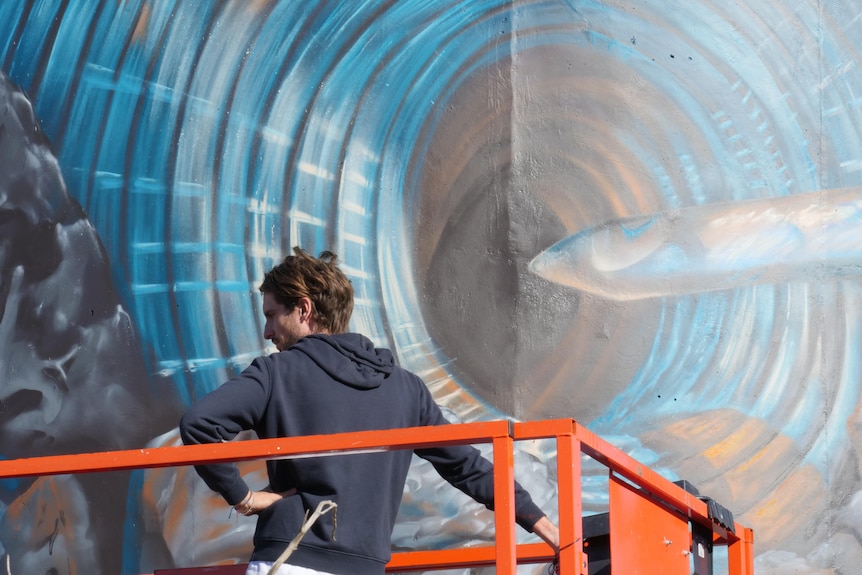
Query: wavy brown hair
{"type": "Point", "coordinates": [320, 280]}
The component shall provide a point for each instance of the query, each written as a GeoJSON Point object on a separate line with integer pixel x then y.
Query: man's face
{"type": "Point", "coordinates": [283, 326]}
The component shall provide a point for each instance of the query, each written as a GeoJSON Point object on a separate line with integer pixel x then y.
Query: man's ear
{"type": "Point", "coordinates": [305, 308]}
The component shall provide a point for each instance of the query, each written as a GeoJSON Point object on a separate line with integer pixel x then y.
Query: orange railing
{"type": "Point", "coordinates": [651, 519]}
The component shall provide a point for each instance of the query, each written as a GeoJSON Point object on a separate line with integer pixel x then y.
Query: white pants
{"type": "Point", "coordinates": [263, 567]}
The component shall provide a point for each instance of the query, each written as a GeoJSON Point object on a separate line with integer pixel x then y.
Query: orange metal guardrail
{"type": "Point", "coordinates": [651, 519]}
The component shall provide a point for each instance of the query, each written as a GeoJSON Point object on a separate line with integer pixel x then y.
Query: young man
{"type": "Point", "coordinates": [324, 380]}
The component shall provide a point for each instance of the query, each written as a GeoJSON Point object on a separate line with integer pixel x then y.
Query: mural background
{"type": "Point", "coordinates": [699, 163]}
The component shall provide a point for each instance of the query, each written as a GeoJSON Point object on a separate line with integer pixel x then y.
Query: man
{"type": "Point", "coordinates": [324, 380]}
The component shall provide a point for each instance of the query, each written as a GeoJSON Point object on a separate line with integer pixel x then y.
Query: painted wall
{"type": "Point", "coordinates": [641, 214]}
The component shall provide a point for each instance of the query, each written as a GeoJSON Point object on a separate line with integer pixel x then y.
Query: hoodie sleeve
{"type": "Point", "coordinates": [219, 416]}
{"type": "Point", "coordinates": [465, 468]}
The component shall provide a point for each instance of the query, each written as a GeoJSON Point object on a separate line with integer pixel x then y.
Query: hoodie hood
{"type": "Point", "coordinates": [349, 358]}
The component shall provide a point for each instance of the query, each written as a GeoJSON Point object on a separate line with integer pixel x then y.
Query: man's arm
{"type": "Point", "coordinates": [219, 416]}
{"type": "Point", "coordinates": [465, 468]}
{"type": "Point", "coordinates": [549, 533]}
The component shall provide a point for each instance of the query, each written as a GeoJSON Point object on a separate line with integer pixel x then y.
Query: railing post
{"type": "Point", "coordinates": [572, 558]}
{"type": "Point", "coordinates": [504, 505]}
{"type": "Point", "coordinates": [740, 553]}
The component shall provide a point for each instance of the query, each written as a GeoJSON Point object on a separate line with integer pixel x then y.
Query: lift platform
{"type": "Point", "coordinates": [652, 526]}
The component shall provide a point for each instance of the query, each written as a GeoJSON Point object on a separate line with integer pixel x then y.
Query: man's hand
{"type": "Point", "coordinates": [257, 501]}
{"type": "Point", "coordinates": [550, 533]}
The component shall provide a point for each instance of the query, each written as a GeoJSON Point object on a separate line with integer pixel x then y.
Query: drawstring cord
{"type": "Point", "coordinates": [322, 508]}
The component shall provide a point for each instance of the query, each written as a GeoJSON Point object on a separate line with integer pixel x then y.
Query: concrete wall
{"type": "Point", "coordinates": [644, 215]}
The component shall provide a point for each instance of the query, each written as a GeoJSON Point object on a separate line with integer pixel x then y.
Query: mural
{"type": "Point", "coordinates": [642, 215]}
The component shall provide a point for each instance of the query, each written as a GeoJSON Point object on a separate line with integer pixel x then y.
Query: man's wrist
{"type": "Point", "coordinates": [246, 506]}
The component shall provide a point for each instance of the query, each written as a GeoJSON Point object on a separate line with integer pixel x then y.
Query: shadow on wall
{"type": "Point", "coordinates": [72, 374]}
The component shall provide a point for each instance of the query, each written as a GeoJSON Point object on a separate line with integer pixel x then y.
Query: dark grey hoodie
{"type": "Point", "coordinates": [331, 384]}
